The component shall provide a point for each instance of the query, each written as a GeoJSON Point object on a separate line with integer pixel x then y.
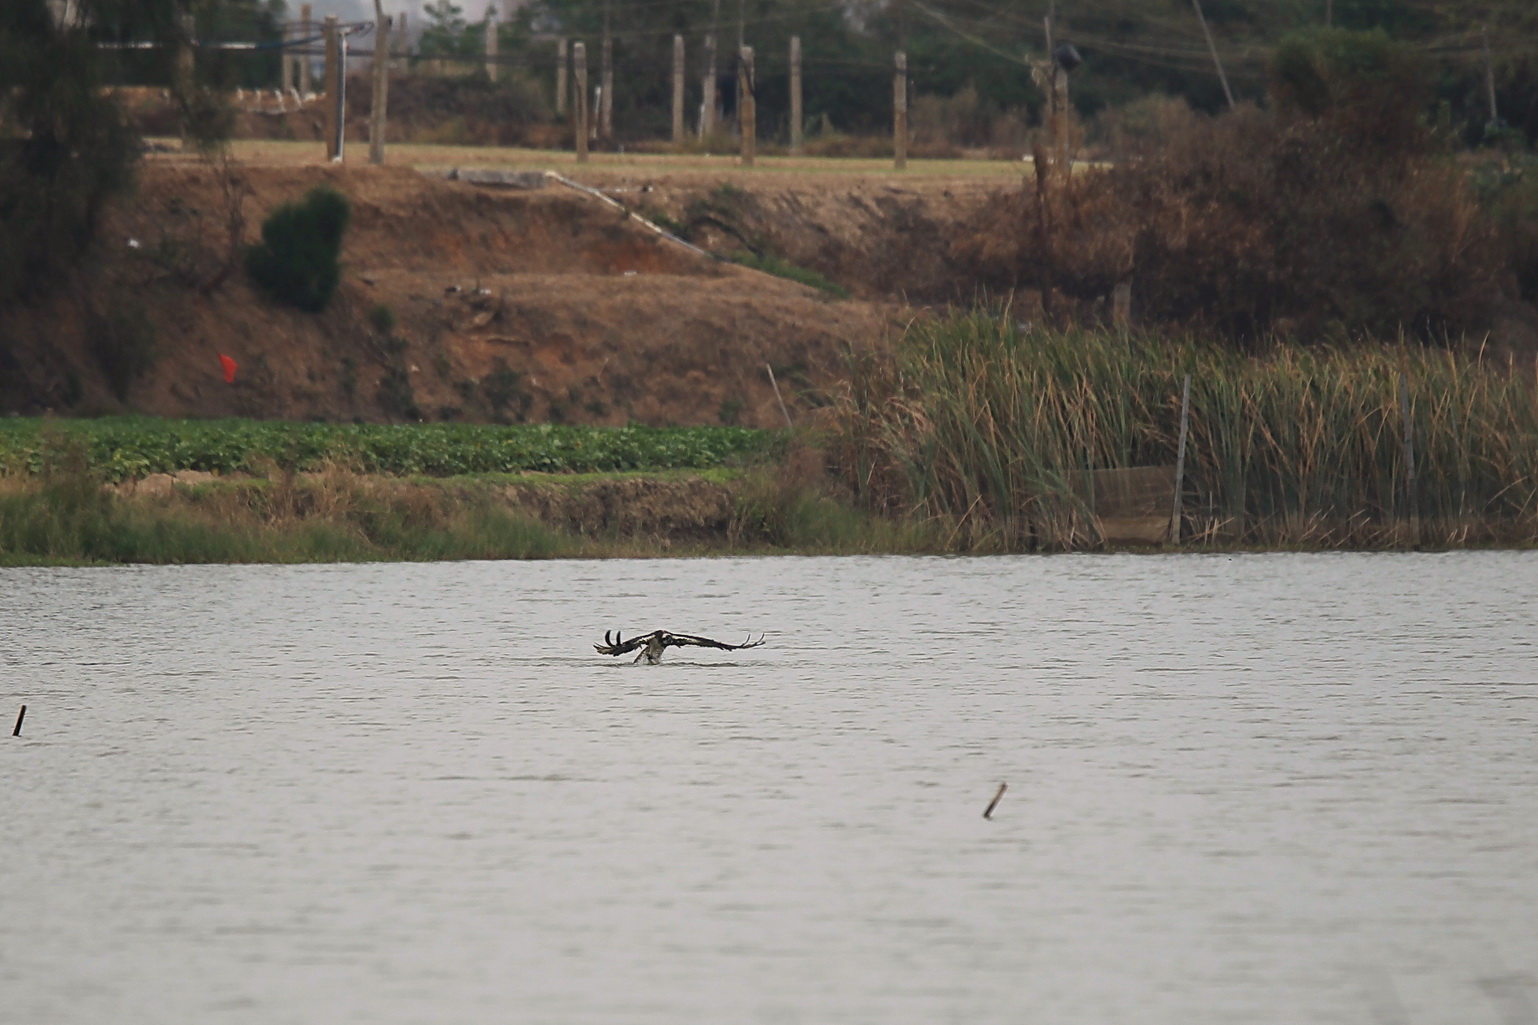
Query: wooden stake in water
{"type": "Point", "coordinates": [19, 717]}
{"type": "Point", "coordinates": [994, 803]}
{"type": "Point", "coordinates": [1180, 460]}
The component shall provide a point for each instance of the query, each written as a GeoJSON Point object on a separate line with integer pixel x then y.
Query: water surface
{"type": "Point", "coordinates": [1273, 788]}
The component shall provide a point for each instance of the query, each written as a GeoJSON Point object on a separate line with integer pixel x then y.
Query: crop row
{"type": "Point", "coordinates": [120, 448]}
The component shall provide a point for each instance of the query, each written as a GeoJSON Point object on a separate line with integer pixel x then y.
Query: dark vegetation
{"type": "Point", "coordinates": [119, 448]}
{"type": "Point", "coordinates": [298, 261]}
{"type": "Point", "coordinates": [971, 424]}
{"type": "Point", "coordinates": [1335, 213]}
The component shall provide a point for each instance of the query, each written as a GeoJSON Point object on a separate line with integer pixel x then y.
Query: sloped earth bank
{"type": "Point", "coordinates": [460, 302]}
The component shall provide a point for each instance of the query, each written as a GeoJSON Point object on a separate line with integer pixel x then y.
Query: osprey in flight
{"type": "Point", "coordinates": [653, 644]}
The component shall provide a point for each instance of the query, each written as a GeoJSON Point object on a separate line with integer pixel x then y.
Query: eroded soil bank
{"type": "Point", "coordinates": [467, 302]}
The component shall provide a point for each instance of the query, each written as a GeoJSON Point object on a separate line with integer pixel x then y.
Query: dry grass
{"type": "Point", "coordinates": [601, 166]}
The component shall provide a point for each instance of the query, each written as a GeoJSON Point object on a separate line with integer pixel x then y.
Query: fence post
{"type": "Point", "coordinates": [286, 65]}
{"type": "Point", "coordinates": [1176, 514]}
{"type": "Point", "coordinates": [335, 110]}
{"type": "Point", "coordinates": [1412, 496]}
{"type": "Point", "coordinates": [796, 118]}
{"type": "Point", "coordinates": [678, 89]}
{"type": "Point", "coordinates": [708, 104]}
{"type": "Point", "coordinates": [306, 87]}
{"type": "Point", "coordinates": [606, 82]}
{"type": "Point", "coordinates": [377, 105]}
{"type": "Point", "coordinates": [401, 49]}
{"type": "Point", "coordinates": [579, 98]}
{"type": "Point", "coordinates": [747, 114]}
{"type": "Point", "coordinates": [491, 43]}
{"type": "Point", "coordinates": [561, 85]}
{"type": "Point", "coordinates": [900, 113]}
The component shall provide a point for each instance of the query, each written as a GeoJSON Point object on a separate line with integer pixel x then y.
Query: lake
{"type": "Point", "coordinates": [1286, 788]}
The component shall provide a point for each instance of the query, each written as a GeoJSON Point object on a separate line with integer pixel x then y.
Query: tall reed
{"type": "Point", "coordinates": [971, 420]}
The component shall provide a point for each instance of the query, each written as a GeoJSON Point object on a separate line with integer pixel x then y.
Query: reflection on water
{"type": "Point", "coordinates": [1290, 788]}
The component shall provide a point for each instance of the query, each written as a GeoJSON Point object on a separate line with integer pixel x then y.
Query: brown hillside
{"type": "Point", "coordinates": [538, 305]}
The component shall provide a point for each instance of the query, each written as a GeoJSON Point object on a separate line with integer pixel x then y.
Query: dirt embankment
{"type": "Point", "coordinates": [460, 302]}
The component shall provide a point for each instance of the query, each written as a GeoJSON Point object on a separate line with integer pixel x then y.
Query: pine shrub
{"type": "Point", "coordinates": [298, 261]}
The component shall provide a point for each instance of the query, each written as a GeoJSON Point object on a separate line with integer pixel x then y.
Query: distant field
{"type": "Point", "coordinates": [119, 448]}
{"type": "Point", "coordinates": [611, 164]}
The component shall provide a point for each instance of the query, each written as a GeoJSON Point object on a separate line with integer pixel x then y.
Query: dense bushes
{"type": "Point", "coordinates": [973, 423]}
{"type": "Point", "coordinates": [1332, 214]}
{"type": "Point", "coordinates": [64, 148]}
{"type": "Point", "coordinates": [298, 261]}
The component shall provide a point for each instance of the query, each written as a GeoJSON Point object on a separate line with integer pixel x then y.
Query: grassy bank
{"type": "Point", "coordinates": [68, 514]}
{"type": "Point", "coordinates": [969, 421]}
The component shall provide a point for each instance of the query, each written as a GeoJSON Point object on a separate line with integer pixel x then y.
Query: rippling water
{"type": "Point", "coordinates": [1273, 788]}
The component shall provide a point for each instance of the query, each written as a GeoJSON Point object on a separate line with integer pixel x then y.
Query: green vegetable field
{"type": "Point", "coordinates": [120, 448]}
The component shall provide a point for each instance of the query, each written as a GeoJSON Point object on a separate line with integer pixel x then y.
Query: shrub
{"type": "Point", "coordinates": [298, 260]}
{"type": "Point", "coordinates": [1330, 215]}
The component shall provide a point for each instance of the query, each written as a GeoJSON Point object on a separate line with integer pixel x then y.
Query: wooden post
{"type": "Point", "coordinates": [402, 50]}
{"type": "Point", "coordinates": [286, 65]}
{"type": "Point", "coordinates": [1412, 496]}
{"type": "Point", "coordinates": [678, 90]}
{"type": "Point", "coordinates": [306, 87]}
{"type": "Point", "coordinates": [606, 92]}
{"type": "Point", "coordinates": [19, 717]}
{"type": "Point", "coordinates": [1176, 513]}
{"type": "Point", "coordinates": [988, 813]}
{"type": "Point", "coordinates": [900, 113]}
{"type": "Point", "coordinates": [1121, 306]}
{"type": "Point", "coordinates": [1212, 48]}
{"type": "Point", "coordinates": [708, 104]}
{"type": "Point", "coordinates": [377, 105]}
{"type": "Point", "coordinates": [1484, 37]}
{"type": "Point", "coordinates": [579, 99]}
{"type": "Point", "coordinates": [491, 43]}
{"type": "Point", "coordinates": [561, 85]}
{"type": "Point", "coordinates": [747, 115]}
{"type": "Point", "coordinates": [797, 127]}
{"type": "Point", "coordinates": [335, 110]}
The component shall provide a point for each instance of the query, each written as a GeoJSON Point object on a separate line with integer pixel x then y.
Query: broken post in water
{"type": "Point", "coordinates": [988, 814]}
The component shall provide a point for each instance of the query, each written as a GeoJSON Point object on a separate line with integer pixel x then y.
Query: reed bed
{"type": "Point", "coordinates": [973, 422]}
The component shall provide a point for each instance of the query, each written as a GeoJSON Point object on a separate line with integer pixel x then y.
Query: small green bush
{"type": "Point", "coordinates": [298, 260]}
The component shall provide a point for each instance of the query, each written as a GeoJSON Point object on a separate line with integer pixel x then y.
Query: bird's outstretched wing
{"type": "Point", "coordinates": [617, 645]}
{"type": "Point", "coordinates": [706, 642]}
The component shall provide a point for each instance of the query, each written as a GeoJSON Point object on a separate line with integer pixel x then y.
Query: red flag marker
{"type": "Point", "coordinates": [229, 368]}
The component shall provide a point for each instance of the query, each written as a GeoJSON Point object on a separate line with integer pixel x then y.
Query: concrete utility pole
{"type": "Point", "coordinates": [561, 85]}
{"type": "Point", "coordinates": [797, 126]}
{"type": "Point", "coordinates": [708, 111]}
{"type": "Point", "coordinates": [402, 48]}
{"type": "Point", "coordinates": [306, 87]}
{"type": "Point", "coordinates": [1484, 36]}
{"type": "Point", "coordinates": [678, 90]}
{"type": "Point", "coordinates": [286, 65]}
{"type": "Point", "coordinates": [747, 114]}
{"type": "Point", "coordinates": [606, 81]}
{"type": "Point", "coordinates": [336, 121]}
{"type": "Point", "coordinates": [900, 113]}
{"type": "Point", "coordinates": [377, 107]}
{"type": "Point", "coordinates": [491, 42]}
{"type": "Point", "coordinates": [579, 99]}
